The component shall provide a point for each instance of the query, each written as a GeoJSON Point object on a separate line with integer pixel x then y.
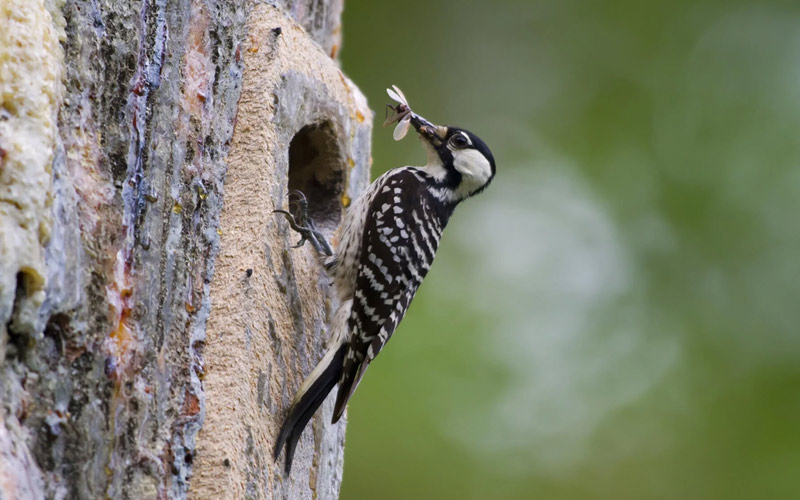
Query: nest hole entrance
{"type": "Point", "coordinates": [316, 167]}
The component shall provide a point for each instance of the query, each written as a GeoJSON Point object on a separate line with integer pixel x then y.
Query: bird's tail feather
{"type": "Point", "coordinates": [310, 396]}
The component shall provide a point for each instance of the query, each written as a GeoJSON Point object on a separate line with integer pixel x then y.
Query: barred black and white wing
{"type": "Point", "coordinates": [398, 243]}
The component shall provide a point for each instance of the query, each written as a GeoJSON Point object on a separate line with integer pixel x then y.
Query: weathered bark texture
{"type": "Point", "coordinates": [154, 322]}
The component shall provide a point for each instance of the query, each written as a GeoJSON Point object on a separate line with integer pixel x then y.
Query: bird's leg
{"type": "Point", "coordinates": [300, 222]}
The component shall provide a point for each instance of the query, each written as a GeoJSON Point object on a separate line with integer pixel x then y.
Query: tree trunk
{"type": "Point", "coordinates": [154, 321]}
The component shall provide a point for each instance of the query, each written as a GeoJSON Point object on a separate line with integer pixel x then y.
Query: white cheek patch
{"type": "Point", "coordinates": [473, 166]}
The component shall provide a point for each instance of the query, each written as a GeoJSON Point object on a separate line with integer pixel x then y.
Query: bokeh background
{"type": "Point", "coordinates": [618, 316]}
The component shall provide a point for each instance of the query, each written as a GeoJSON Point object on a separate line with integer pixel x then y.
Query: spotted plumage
{"type": "Point", "coordinates": [389, 237]}
{"type": "Point", "coordinates": [398, 243]}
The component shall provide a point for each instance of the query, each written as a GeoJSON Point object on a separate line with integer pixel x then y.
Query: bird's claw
{"type": "Point", "coordinates": [298, 199]}
{"type": "Point", "coordinates": [302, 224]}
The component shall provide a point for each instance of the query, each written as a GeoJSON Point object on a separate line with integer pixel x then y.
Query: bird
{"type": "Point", "coordinates": [388, 239]}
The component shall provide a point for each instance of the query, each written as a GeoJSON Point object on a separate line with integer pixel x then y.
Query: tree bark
{"type": "Point", "coordinates": [154, 321]}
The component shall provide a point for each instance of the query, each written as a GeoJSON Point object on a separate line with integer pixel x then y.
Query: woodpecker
{"type": "Point", "coordinates": [388, 239]}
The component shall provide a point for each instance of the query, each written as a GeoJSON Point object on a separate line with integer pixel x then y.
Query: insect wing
{"type": "Point", "coordinates": [401, 129]}
{"type": "Point", "coordinates": [401, 94]}
{"type": "Point", "coordinates": [397, 96]}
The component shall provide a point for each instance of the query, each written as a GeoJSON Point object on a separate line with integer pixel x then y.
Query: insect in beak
{"type": "Point", "coordinates": [404, 117]}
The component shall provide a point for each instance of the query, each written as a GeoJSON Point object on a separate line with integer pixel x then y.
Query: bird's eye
{"type": "Point", "coordinates": [459, 141]}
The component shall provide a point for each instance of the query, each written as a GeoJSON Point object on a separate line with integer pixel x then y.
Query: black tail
{"type": "Point", "coordinates": [309, 397]}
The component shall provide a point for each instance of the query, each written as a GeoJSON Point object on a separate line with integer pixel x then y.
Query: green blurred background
{"type": "Point", "coordinates": [618, 316]}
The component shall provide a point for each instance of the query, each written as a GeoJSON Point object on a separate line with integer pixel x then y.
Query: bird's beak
{"type": "Point", "coordinates": [434, 134]}
{"type": "Point", "coordinates": [403, 116]}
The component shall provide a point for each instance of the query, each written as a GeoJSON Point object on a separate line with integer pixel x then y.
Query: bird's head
{"type": "Point", "coordinates": [457, 158]}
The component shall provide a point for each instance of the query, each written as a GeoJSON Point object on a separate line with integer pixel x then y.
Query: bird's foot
{"type": "Point", "coordinates": [300, 222]}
